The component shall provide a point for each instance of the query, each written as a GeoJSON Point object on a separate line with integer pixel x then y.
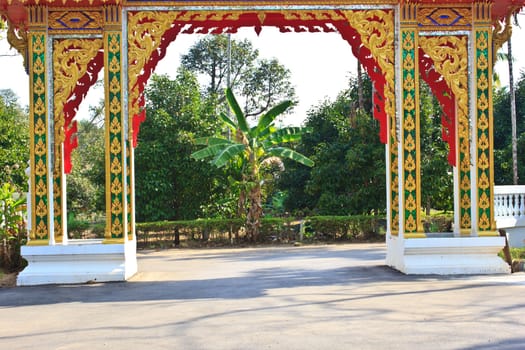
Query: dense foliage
{"type": "Point", "coordinates": [170, 185]}
{"type": "Point", "coordinates": [503, 135]}
{"type": "Point", "coordinates": [12, 226]}
{"type": "Point", "coordinates": [14, 156]}
{"type": "Point", "coordinates": [86, 182]}
{"type": "Point", "coordinates": [436, 173]}
{"type": "Point", "coordinates": [349, 177]}
{"type": "Point", "coordinates": [14, 141]}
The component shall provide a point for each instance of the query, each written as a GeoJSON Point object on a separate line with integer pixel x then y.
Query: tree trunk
{"type": "Point", "coordinates": [253, 219]}
{"type": "Point", "coordinates": [513, 115]}
{"type": "Point", "coordinates": [360, 95]}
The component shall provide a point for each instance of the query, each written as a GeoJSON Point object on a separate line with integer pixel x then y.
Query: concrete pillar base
{"type": "Point", "coordinates": [446, 255]}
{"type": "Point", "coordinates": [80, 261]}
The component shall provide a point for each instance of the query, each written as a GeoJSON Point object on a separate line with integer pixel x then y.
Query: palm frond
{"type": "Point", "coordinates": [227, 121]}
{"type": "Point", "coordinates": [270, 116]}
{"type": "Point", "coordinates": [291, 154]}
{"type": "Point", "coordinates": [269, 130]}
{"type": "Point", "coordinates": [234, 105]}
{"type": "Point", "coordinates": [285, 135]}
{"type": "Point", "coordinates": [210, 141]}
{"type": "Point", "coordinates": [228, 153]}
{"type": "Point", "coordinates": [210, 151]}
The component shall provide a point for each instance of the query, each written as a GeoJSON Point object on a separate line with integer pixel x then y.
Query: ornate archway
{"type": "Point", "coordinates": [449, 44]}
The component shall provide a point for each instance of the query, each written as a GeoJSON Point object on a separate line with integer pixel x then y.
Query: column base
{"type": "Point", "coordinates": [81, 261]}
{"type": "Point", "coordinates": [446, 255]}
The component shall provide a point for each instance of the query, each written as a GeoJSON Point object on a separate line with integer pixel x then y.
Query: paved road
{"type": "Point", "coordinates": [325, 297]}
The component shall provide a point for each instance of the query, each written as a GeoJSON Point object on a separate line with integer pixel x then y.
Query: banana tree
{"type": "Point", "coordinates": [253, 150]}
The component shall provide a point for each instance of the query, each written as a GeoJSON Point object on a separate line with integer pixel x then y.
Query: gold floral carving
{"type": "Point", "coordinates": [313, 15]}
{"type": "Point", "coordinates": [376, 28]}
{"type": "Point", "coordinates": [70, 62]}
{"type": "Point", "coordinates": [57, 196]}
{"type": "Point", "coordinates": [500, 35]}
{"type": "Point", "coordinates": [485, 158]}
{"type": "Point", "coordinates": [38, 140]}
{"type": "Point", "coordinates": [146, 29]}
{"type": "Point", "coordinates": [17, 38]}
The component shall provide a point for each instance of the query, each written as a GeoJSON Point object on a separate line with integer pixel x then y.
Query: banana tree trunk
{"type": "Point", "coordinates": [253, 219]}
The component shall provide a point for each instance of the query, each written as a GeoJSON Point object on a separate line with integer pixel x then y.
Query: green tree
{"type": "Point", "coordinates": [265, 84]}
{"type": "Point", "coordinates": [350, 178]}
{"type": "Point", "coordinates": [260, 83]}
{"type": "Point", "coordinates": [253, 150]}
{"type": "Point", "coordinates": [165, 177]}
{"type": "Point", "coordinates": [350, 174]}
{"type": "Point", "coordinates": [14, 140]}
{"type": "Point", "coordinates": [503, 162]}
{"type": "Point", "coordinates": [436, 173]}
{"type": "Point", "coordinates": [209, 57]}
{"type": "Point", "coordinates": [86, 182]}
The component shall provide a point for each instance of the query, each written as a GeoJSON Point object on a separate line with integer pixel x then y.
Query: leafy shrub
{"type": "Point", "coordinates": [321, 228]}
{"type": "Point", "coordinates": [438, 223]}
{"type": "Point", "coordinates": [346, 227]}
{"type": "Point", "coordinates": [83, 228]}
{"type": "Point", "coordinates": [517, 253]}
{"type": "Point", "coordinates": [12, 226]}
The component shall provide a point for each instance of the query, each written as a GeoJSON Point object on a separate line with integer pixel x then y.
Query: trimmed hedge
{"type": "Point", "coordinates": [317, 228]}
{"type": "Point", "coordinates": [346, 227]}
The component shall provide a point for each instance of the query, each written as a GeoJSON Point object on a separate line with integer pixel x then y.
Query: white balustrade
{"type": "Point", "coordinates": [509, 202]}
{"type": "Point", "coordinates": [509, 212]}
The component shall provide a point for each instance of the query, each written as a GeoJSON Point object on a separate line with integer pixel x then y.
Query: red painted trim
{"type": "Point", "coordinates": [72, 104]}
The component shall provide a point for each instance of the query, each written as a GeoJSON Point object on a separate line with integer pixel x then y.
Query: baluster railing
{"type": "Point", "coordinates": [509, 201]}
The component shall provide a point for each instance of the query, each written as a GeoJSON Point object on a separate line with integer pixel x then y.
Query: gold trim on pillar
{"type": "Point", "coordinates": [484, 142]}
{"type": "Point", "coordinates": [410, 133]}
{"type": "Point", "coordinates": [116, 227]}
{"type": "Point", "coordinates": [38, 112]}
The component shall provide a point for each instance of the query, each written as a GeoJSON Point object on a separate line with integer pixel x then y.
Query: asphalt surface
{"type": "Point", "coordinates": [323, 297]}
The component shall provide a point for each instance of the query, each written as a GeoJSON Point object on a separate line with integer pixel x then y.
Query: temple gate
{"type": "Point", "coordinates": [448, 44]}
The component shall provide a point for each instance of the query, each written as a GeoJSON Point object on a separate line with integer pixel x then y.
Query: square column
{"type": "Point", "coordinates": [409, 147]}
{"type": "Point", "coordinates": [482, 133]}
{"type": "Point", "coordinates": [80, 261]}
{"type": "Point", "coordinates": [412, 252]}
{"type": "Point", "coordinates": [116, 131]}
{"type": "Point", "coordinates": [41, 178]}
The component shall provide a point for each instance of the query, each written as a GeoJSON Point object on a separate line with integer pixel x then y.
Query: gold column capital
{"type": "Point", "coordinates": [408, 14]}
{"type": "Point", "coordinates": [37, 18]}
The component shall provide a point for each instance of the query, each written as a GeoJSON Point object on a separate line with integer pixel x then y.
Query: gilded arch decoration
{"type": "Point", "coordinates": [369, 32]}
{"type": "Point", "coordinates": [76, 63]}
{"type": "Point", "coordinates": [66, 44]}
